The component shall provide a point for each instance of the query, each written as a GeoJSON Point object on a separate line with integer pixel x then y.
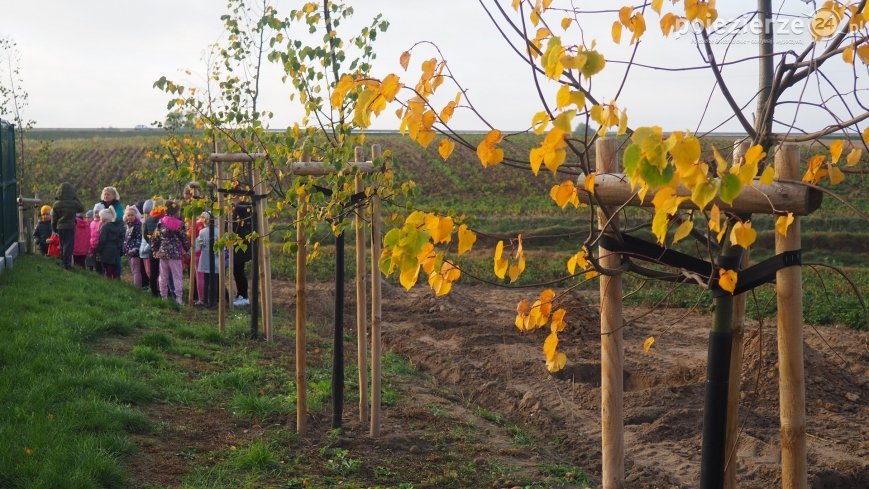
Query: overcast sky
{"type": "Point", "coordinates": [92, 63]}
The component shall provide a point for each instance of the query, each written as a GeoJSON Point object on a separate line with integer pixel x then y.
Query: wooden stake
{"type": "Point", "coordinates": [376, 312]}
{"type": "Point", "coordinates": [361, 299]}
{"type": "Point", "coordinates": [735, 377]}
{"type": "Point", "coordinates": [264, 262]}
{"type": "Point", "coordinates": [301, 383]}
{"type": "Point", "coordinates": [221, 270]}
{"type": "Point", "coordinates": [611, 344]}
{"type": "Point", "coordinates": [267, 284]}
{"type": "Point", "coordinates": [792, 384]}
{"type": "Point", "coordinates": [192, 230]}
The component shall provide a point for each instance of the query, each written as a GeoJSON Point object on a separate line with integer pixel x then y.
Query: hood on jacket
{"type": "Point", "coordinates": [66, 191]}
{"type": "Point", "coordinates": [171, 223]}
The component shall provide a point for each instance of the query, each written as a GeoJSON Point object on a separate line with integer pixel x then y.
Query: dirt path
{"type": "Point", "coordinates": [468, 343]}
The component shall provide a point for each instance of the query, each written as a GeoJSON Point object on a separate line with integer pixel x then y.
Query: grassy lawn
{"type": "Point", "coordinates": [104, 386]}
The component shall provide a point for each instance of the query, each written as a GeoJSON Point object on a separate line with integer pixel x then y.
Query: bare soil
{"type": "Point", "coordinates": [467, 341]}
{"type": "Point", "coordinates": [475, 358]}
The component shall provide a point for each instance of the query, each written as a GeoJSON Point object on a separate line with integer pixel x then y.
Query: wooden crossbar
{"type": "Point", "coordinates": [614, 189]}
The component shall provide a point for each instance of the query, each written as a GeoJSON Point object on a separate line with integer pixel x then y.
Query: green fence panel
{"type": "Point", "coordinates": [8, 187]}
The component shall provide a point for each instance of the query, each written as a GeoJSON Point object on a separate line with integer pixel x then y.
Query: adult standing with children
{"type": "Point", "coordinates": [111, 243]}
{"type": "Point", "coordinates": [111, 198]}
{"type": "Point", "coordinates": [242, 226]}
{"type": "Point", "coordinates": [63, 215]}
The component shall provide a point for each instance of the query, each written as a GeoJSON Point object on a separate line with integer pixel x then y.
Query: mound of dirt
{"type": "Point", "coordinates": [469, 345]}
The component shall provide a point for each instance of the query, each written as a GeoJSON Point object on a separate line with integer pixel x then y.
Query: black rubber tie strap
{"type": "Point", "coordinates": [753, 276]}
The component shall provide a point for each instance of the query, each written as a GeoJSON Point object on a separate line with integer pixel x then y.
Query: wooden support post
{"type": "Point", "coordinates": [262, 271]}
{"type": "Point", "coordinates": [789, 298]}
{"type": "Point", "coordinates": [301, 383]}
{"type": "Point", "coordinates": [735, 376]}
{"type": "Point", "coordinates": [611, 345]}
{"type": "Point", "coordinates": [221, 268]}
{"type": "Point", "coordinates": [267, 282]}
{"type": "Point", "coordinates": [192, 286]}
{"type": "Point", "coordinates": [376, 313]}
{"type": "Point", "coordinates": [361, 299]}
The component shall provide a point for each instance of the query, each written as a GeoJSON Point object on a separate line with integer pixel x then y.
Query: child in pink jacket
{"type": "Point", "coordinates": [82, 241]}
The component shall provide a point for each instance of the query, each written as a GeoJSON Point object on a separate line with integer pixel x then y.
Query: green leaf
{"type": "Point", "coordinates": [631, 159]}
{"type": "Point", "coordinates": [655, 177]}
{"type": "Point", "coordinates": [730, 188]}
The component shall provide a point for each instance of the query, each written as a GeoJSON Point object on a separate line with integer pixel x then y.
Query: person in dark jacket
{"type": "Point", "coordinates": [110, 197]}
{"type": "Point", "coordinates": [111, 243]}
{"type": "Point", "coordinates": [63, 215]}
{"type": "Point", "coordinates": [242, 225]}
{"type": "Point", "coordinates": [43, 229]}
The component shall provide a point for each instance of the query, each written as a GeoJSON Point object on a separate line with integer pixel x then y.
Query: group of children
{"type": "Point", "coordinates": [155, 240]}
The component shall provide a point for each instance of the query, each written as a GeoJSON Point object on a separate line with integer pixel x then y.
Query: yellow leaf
{"type": "Point", "coordinates": [564, 193]}
{"type": "Point", "coordinates": [408, 276]}
{"type": "Point", "coordinates": [545, 302]}
{"type": "Point", "coordinates": [540, 121]}
{"type": "Point", "coordinates": [500, 263]}
{"type": "Point", "coordinates": [863, 53]}
{"type": "Point", "coordinates": [720, 162]}
{"type": "Point", "coordinates": [659, 226]}
{"type": "Point", "coordinates": [556, 363]}
{"type": "Point", "coordinates": [580, 259]}
{"type": "Point", "coordinates": [638, 26]}
{"type": "Point", "coordinates": [448, 110]}
{"type": "Point", "coordinates": [848, 54]}
{"type": "Point", "coordinates": [404, 59]}
{"type": "Point", "coordinates": [489, 154]}
{"type": "Point", "coordinates": [647, 345]}
{"type": "Point", "coordinates": [558, 323]}
{"type": "Point", "coordinates": [727, 280]}
{"type": "Point", "coordinates": [589, 182]}
{"type": "Point", "coordinates": [446, 147]}
{"type": "Point", "coordinates": [565, 22]}
{"type": "Point", "coordinates": [550, 346]}
{"type": "Point", "coordinates": [836, 175]}
{"type": "Point", "coordinates": [623, 122]}
{"type": "Point", "coordinates": [516, 269]}
{"type": "Point", "coordinates": [703, 193]}
{"type": "Point", "coordinates": [715, 219]}
{"type": "Point", "coordinates": [669, 22]}
{"type": "Point", "coordinates": [656, 6]}
{"type": "Point", "coordinates": [782, 223]}
{"type": "Point", "coordinates": [551, 61]}
{"type": "Point", "coordinates": [768, 176]}
{"type": "Point", "coordinates": [390, 87]}
{"type": "Point", "coordinates": [743, 234]}
{"type": "Point", "coordinates": [440, 228]}
{"type": "Point", "coordinates": [853, 157]}
{"type": "Point", "coordinates": [616, 32]}
{"type": "Point", "coordinates": [625, 15]}
{"type": "Point", "coordinates": [866, 135]}
{"type": "Point", "coordinates": [754, 155]}
{"type": "Point", "coordinates": [467, 238]}
{"type": "Point", "coordinates": [836, 148]}
{"type": "Point", "coordinates": [522, 311]}
{"type": "Point", "coordinates": [564, 121]}
{"type": "Point", "coordinates": [562, 97]}
{"type": "Point", "coordinates": [682, 231]}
